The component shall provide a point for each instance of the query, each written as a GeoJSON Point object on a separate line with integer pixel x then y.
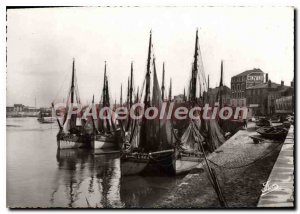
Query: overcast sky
{"type": "Point", "coordinates": [42, 42]}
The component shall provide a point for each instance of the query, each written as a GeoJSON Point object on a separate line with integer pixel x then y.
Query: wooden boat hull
{"type": "Point", "coordinates": [106, 141]}
{"type": "Point", "coordinates": [281, 133]}
{"type": "Point", "coordinates": [69, 141]}
{"type": "Point", "coordinates": [131, 165]}
{"type": "Point", "coordinates": [161, 163]}
{"type": "Point", "coordinates": [102, 144]}
{"type": "Point", "coordinates": [185, 165]}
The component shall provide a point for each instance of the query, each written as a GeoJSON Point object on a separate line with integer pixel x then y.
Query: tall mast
{"type": "Point", "coordinates": [195, 70]}
{"type": "Point", "coordinates": [121, 101]}
{"type": "Point", "coordinates": [107, 93]}
{"type": "Point", "coordinates": [208, 82]}
{"type": "Point", "coordinates": [147, 92]}
{"type": "Point", "coordinates": [127, 101]}
{"type": "Point", "coordinates": [163, 83]}
{"type": "Point", "coordinates": [221, 85]}
{"type": "Point", "coordinates": [184, 99]}
{"type": "Point", "coordinates": [130, 90]}
{"type": "Point", "coordinates": [131, 86]}
{"type": "Point", "coordinates": [200, 92]}
{"type": "Point", "coordinates": [104, 86]}
{"type": "Point", "coordinates": [170, 90]}
{"type": "Point", "coordinates": [72, 84]}
{"type": "Point", "coordinates": [137, 95]}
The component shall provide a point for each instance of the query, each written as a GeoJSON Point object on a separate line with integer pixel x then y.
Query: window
{"type": "Point", "coordinates": [243, 86]}
{"type": "Point", "coordinates": [238, 86]}
{"type": "Point", "coordinates": [233, 88]}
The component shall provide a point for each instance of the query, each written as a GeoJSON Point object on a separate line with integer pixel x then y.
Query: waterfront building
{"type": "Point", "coordinates": [213, 96]}
{"type": "Point", "coordinates": [261, 98]}
{"type": "Point", "coordinates": [242, 81]}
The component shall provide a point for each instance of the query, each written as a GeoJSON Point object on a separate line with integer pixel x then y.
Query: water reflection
{"type": "Point", "coordinates": [39, 175]}
{"type": "Point", "coordinates": [89, 179]}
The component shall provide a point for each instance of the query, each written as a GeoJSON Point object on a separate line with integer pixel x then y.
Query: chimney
{"type": "Point", "coordinates": [269, 83]}
{"type": "Point", "coordinates": [282, 83]}
{"type": "Point", "coordinates": [292, 84]}
{"type": "Point", "coordinates": [267, 77]}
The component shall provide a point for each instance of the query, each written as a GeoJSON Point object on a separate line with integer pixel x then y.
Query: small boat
{"type": "Point", "coordinates": [71, 133]}
{"type": "Point", "coordinates": [275, 119]}
{"type": "Point", "coordinates": [45, 116]}
{"type": "Point", "coordinates": [274, 132]}
{"type": "Point", "coordinates": [263, 122]}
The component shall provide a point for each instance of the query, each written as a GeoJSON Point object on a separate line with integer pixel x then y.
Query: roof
{"type": "Point", "coordinates": [249, 72]}
{"type": "Point", "coordinates": [216, 90]}
{"type": "Point", "coordinates": [266, 85]}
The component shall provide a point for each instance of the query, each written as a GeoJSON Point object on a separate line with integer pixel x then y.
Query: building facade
{"type": "Point", "coordinates": [213, 96]}
{"type": "Point", "coordinates": [19, 107]}
{"type": "Point", "coordinates": [262, 98]}
{"type": "Point", "coordinates": [242, 81]}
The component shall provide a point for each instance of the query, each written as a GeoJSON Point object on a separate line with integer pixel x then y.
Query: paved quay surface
{"type": "Point", "coordinates": [282, 176]}
{"type": "Point", "coordinates": [241, 167]}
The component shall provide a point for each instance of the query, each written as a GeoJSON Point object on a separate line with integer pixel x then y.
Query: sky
{"type": "Point", "coordinates": [42, 42]}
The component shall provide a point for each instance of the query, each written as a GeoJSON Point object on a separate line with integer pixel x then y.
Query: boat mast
{"type": "Point", "coordinates": [131, 86]}
{"type": "Point", "coordinates": [127, 101]}
{"type": "Point", "coordinates": [144, 131]}
{"type": "Point", "coordinates": [72, 83]}
{"type": "Point", "coordinates": [93, 122]}
{"type": "Point", "coordinates": [147, 92]}
{"type": "Point", "coordinates": [170, 90]}
{"type": "Point", "coordinates": [163, 83]}
{"type": "Point", "coordinates": [104, 86]}
{"type": "Point", "coordinates": [121, 101]}
{"type": "Point", "coordinates": [221, 86]}
{"type": "Point", "coordinates": [130, 90]}
{"type": "Point", "coordinates": [208, 82]}
{"type": "Point", "coordinates": [194, 72]}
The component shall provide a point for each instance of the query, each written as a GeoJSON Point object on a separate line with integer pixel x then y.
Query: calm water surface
{"type": "Point", "coordinates": [39, 175]}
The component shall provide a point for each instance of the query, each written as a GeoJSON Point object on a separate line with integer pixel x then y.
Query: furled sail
{"type": "Point", "coordinates": [70, 119]}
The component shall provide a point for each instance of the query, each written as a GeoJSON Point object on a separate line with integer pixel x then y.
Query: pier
{"type": "Point", "coordinates": [282, 175]}
{"type": "Point", "coordinates": [241, 166]}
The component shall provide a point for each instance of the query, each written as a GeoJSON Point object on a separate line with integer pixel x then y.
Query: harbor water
{"type": "Point", "coordinates": [39, 175]}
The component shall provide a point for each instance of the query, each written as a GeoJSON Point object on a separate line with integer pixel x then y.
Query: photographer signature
{"type": "Point", "coordinates": [267, 188]}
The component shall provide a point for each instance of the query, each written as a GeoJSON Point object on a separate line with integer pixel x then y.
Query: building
{"type": "Point", "coordinates": [9, 108]}
{"type": "Point", "coordinates": [19, 107]}
{"type": "Point", "coordinates": [213, 94]}
{"type": "Point", "coordinates": [261, 98]}
{"type": "Point", "coordinates": [284, 105]}
{"type": "Point", "coordinates": [242, 81]}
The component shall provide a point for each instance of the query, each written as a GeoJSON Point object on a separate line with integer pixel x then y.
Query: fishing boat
{"type": "Point", "coordinates": [274, 132]}
{"type": "Point", "coordinates": [71, 133]}
{"type": "Point", "coordinates": [105, 134]}
{"type": "Point", "coordinates": [263, 123]}
{"type": "Point", "coordinates": [145, 150]}
{"type": "Point", "coordinates": [201, 136]}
